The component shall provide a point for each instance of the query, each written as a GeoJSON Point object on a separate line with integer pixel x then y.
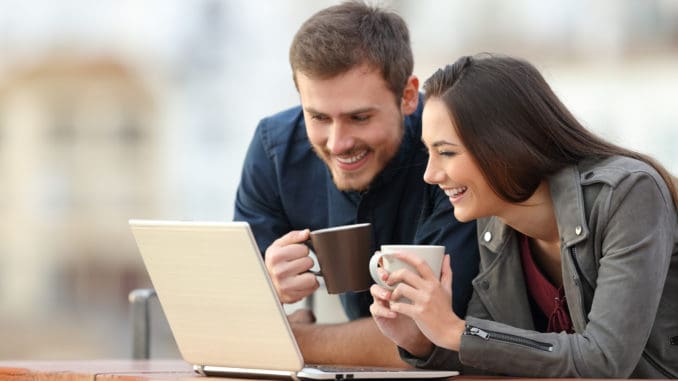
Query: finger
{"type": "Point", "coordinates": [383, 274]}
{"type": "Point", "coordinates": [380, 293]}
{"type": "Point", "coordinates": [403, 308]}
{"type": "Point", "coordinates": [446, 276]}
{"type": "Point", "coordinates": [304, 283]}
{"type": "Point", "coordinates": [278, 254]}
{"type": "Point", "coordinates": [418, 264]}
{"type": "Point", "coordinates": [298, 287]}
{"type": "Point", "coordinates": [295, 236]}
{"type": "Point", "coordinates": [404, 290]}
{"type": "Point", "coordinates": [290, 268]}
{"type": "Point", "coordinates": [405, 275]}
{"type": "Point", "coordinates": [378, 310]}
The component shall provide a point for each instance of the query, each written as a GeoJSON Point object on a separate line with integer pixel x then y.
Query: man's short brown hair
{"type": "Point", "coordinates": [344, 36]}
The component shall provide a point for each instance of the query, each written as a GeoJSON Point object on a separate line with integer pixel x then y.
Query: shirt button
{"type": "Point", "coordinates": [577, 230]}
{"type": "Point", "coordinates": [487, 236]}
{"type": "Point", "coordinates": [484, 285]}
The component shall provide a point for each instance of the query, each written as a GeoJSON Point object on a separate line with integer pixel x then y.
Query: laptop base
{"type": "Point", "coordinates": [320, 372]}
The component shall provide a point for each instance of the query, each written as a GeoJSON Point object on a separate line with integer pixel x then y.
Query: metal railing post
{"type": "Point", "coordinates": [141, 322]}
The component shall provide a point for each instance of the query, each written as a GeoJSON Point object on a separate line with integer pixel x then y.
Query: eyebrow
{"type": "Point", "coordinates": [440, 143]}
{"type": "Point", "coordinates": [352, 112]}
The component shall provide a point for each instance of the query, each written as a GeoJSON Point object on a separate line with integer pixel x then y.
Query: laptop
{"type": "Point", "coordinates": [222, 308]}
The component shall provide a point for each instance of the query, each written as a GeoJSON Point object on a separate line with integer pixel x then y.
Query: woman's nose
{"type": "Point", "coordinates": [433, 175]}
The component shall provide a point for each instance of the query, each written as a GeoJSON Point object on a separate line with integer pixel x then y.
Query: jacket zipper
{"type": "Point", "coordinates": [657, 366]}
{"type": "Point", "coordinates": [507, 338]}
{"type": "Point", "coordinates": [580, 281]}
{"type": "Point", "coordinates": [573, 255]}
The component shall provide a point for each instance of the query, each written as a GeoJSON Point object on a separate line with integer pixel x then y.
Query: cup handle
{"type": "Point", "coordinates": [309, 244]}
{"type": "Point", "coordinates": [374, 264]}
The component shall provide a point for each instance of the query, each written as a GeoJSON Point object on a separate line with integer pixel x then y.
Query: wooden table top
{"type": "Point", "coordinates": [96, 370]}
{"type": "Point", "coordinates": [128, 370]}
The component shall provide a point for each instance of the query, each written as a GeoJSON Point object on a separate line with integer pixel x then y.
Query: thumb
{"type": "Point", "coordinates": [295, 236]}
{"type": "Point", "coordinates": [446, 276]}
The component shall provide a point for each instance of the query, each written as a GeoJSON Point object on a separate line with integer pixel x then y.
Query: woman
{"type": "Point", "coordinates": [578, 239]}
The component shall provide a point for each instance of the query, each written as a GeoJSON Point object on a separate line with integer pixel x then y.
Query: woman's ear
{"type": "Point", "coordinates": [410, 98]}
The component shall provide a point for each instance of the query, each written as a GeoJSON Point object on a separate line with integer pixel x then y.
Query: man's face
{"type": "Point", "coordinates": [354, 124]}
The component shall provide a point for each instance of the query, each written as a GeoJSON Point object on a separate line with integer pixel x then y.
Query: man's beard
{"type": "Point", "coordinates": [347, 181]}
{"type": "Point", "coordinates": [340, 183]}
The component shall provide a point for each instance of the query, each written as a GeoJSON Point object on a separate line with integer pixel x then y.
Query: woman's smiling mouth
{"type": "Point", "coordinates": [455, 194]}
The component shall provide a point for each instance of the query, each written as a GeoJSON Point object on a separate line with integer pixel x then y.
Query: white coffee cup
{"type": "Point", "coordinates": [431, 254]}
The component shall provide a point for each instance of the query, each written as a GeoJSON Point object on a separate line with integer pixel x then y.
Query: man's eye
{"type": "Point", "coordinates": [360, 118]}
{"type": "Point", "coordinates": [319, 117]}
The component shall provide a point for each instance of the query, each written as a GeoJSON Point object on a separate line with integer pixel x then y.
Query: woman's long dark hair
{"type": "Point", "coordinates": [516, 128]}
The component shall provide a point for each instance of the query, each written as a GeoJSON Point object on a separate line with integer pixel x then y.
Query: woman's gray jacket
{"type": "Point", "coordinates": [619, 251]}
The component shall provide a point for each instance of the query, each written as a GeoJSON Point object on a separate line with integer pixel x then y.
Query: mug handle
{"type": "Point", "coordinates": [374, 264]}
{"type": "Point", "coordinates": [309, 244]}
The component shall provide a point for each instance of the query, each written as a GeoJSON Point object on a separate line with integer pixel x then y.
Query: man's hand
{"type": "Point", "coordinates": [287, 261]}
{"type": "Point", "coordinates": [357, 342]}
{"type": "Point", "coordinates": [301, 316]}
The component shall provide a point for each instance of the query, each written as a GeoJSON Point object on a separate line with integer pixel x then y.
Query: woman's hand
{"type": "Point", "coordinates": [399, 328]}
{"type": "Point", "coordinates": [430, 300]}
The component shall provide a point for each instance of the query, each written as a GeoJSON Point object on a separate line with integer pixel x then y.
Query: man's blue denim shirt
{"type": "Point", "coordinates": [285, 186]}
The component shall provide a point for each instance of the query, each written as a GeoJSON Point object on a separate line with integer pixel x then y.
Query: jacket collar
{"type": "Point", "coordinates": [568, 202]}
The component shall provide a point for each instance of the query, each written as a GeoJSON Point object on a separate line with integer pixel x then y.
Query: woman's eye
{"type": "Point", "coordinates": [447, 153]}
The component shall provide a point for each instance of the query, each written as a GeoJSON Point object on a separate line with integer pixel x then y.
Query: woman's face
{"type": "Point", "coordinates": [452, 167]}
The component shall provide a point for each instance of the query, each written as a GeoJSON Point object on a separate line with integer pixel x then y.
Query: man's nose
{"type": "Point", "coordinates": [340, 139]}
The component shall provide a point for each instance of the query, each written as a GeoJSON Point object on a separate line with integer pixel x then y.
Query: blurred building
{"type": "Point", "coordinates": [80, 152]}
{"type": "Point", "coordinates": [81, 149]}
{"type": "Point", "coordinates": [127, 109]}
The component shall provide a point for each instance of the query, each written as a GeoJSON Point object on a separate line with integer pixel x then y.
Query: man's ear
{"type": "Point", "coordinates": [410, 95]}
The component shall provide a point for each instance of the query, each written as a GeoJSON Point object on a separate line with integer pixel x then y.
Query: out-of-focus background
{"type": "Point", "coordinates": [111, 110]}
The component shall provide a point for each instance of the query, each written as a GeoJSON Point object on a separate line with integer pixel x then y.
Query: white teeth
{"type": "Point", "coordinates": [454, 192]}
{"type": "Point", "coordinates": [351, 159]}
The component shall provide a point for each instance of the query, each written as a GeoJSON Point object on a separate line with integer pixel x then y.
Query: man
{"type": "Point", "coordinates": [351, 153]}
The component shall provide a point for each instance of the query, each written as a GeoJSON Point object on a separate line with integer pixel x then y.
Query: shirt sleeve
{"type": "Point", "coordinates": [258, 196]}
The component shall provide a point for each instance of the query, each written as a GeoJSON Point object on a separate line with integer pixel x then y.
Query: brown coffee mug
{"type": "Point", "coordinates": [343, 256]}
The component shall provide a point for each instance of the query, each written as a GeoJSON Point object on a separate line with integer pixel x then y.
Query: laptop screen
{"type": "Point", "coordinates": [218, 300]}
